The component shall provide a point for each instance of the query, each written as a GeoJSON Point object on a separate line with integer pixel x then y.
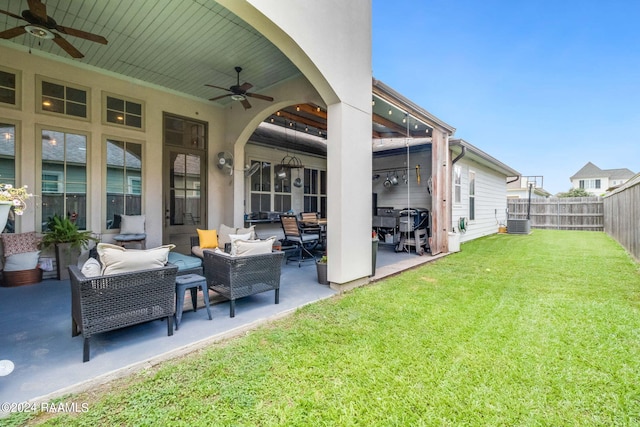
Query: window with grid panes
{"type": "Point", "coordinates": [123, 111]}
{"type": "Point", "coordinates": [63, 98]}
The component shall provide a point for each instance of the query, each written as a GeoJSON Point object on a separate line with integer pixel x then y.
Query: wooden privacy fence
{"type": "Point", "coordinates": [622, 215]}
{"type": "Point", "coordinates": [560, 213]}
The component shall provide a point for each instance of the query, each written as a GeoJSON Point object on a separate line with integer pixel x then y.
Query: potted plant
{"type": "Point", "coordinates": [68, 241]}
{"type": "Point", "coordinates": [321, 267]}
{"type": "Point", "coordinates": [12, 196]}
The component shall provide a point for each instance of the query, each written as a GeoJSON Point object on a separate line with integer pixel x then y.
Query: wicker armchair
{"type": "Point", "coordinates": [104, 303]}
{"type": "Point", "coordinates": [239, 276]}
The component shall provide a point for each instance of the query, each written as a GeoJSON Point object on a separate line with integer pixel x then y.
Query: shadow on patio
{"type": "Point", "coordinates": [36, 331]}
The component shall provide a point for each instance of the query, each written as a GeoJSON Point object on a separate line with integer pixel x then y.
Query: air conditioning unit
{"type": "Point", "coordinates": [518, 226]}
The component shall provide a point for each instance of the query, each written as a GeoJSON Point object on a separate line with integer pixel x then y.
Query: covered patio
{"type": "Point", "coordinates": [36, 325]}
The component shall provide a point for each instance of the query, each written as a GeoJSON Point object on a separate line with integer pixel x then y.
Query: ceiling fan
{"type": "Point", "coordinates": [239, 93]}
{"type": "Point", "coordinates": [40, 25]}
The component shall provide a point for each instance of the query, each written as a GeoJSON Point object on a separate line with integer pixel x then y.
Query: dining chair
{"type": "Point", "coordinates": [304, 241]}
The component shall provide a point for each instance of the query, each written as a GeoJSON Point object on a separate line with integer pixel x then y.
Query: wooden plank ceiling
{"type": "Point", "coordinates": [182, 46]}
{"type": "Point", "coordinates": [177, 45]}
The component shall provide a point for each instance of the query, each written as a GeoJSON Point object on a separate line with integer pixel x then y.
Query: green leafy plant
{"type": "Point", "coordinates": [62, 230]}
{"type": "Point", "coordinates": [323, 260]}
{"type": "Point", "coordinates": [575, 192]}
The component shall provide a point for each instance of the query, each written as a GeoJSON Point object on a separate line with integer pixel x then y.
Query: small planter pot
{"type": "Point", "coordinates": [65, 256]}
{"type": "Point", "coordinates": [5, 207]}
{"type": "Point", "coordinates": [321, 267]}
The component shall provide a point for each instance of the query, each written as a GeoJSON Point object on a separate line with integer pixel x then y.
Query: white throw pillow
{"type": "Point", "coordinates": [234, 237]}
{"type": "Point", "coordinates": [251, 230]}
{"type": "Point", "coordinates": [132, 224]}
{"type": "Point", "coordinates": [21, 261]}
{"type": "Point", "coordinates": [116, 259]}
{"type": "Point", "coordinates": [254, 247]}
{"type": "Point", "coordinates": [91, 268]}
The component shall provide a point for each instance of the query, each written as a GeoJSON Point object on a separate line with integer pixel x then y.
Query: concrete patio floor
{"type": "Point", "coordinates": [35, 331]}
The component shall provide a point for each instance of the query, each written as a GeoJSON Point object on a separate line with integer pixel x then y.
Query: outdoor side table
{"type": "Point", "coordinates": [191, 282]}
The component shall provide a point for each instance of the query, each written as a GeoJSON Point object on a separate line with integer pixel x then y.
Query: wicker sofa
{"type": "Point", "coordinates": [239, 276]}
{"type": "Point", "coordinates": [105, 303]}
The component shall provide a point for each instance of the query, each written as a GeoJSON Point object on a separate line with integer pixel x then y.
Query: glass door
{"type": "Point", "coordinates": [184, 180]}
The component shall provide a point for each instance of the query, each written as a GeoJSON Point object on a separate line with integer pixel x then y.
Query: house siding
{"type": "Point", "coordinates": [490, 201]}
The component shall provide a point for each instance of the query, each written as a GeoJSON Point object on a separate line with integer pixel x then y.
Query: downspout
{"type": "Point", "coordinates": [514, 179]}
{"type": "Point", "coordinates": [459, 156]}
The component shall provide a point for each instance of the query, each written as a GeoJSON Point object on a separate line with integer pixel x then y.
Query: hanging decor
{"type": "Point", "coordinates": [12, 197]}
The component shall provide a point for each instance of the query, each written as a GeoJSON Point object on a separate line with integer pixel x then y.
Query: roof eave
{"type": "Point", "coordinates": [386, 92]}
{"type": "Point", "coordinates": [477, 154]}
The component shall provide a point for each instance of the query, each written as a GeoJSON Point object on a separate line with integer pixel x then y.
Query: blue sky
{"type": "Point", "coordinates": [544, 86]}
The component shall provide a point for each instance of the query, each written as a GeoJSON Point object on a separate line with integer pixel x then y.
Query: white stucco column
{"type": "Point", "coordinates": [349, 165]}
{"type": "Point", "coordinates": [330, 43]}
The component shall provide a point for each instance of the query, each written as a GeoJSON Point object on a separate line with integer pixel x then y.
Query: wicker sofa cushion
{"type": "Point", "coordinates": [254, 247]}
{"type": "Point", "coordinates": [116, 259]}
{"type": "Point", "coordinates": [19, 243]}
{"type": "Point", "coordinates": [208, 238]}
{"type": "Point", "coordinates": [21, 261]}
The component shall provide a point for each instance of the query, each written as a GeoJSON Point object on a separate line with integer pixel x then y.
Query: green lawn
{"type": "Point", "coordinates": [537, 330]}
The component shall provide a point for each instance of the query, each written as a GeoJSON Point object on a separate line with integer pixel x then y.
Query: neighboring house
{"type": "Point", "coordinates": [478, 191]}
{"type": "Point", "coordinates": [598, 181]}
{"type": "Point", "coordinates": [518, 187]}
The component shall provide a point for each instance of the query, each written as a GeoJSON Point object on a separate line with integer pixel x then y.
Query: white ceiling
{"type": "Point", "coordinates": [177, 44]}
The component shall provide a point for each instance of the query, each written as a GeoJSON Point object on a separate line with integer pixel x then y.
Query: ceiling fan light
{"type": "Point", "coordinates": [237, 97]}
{"type": "Point", "coordinates": [39, 32]}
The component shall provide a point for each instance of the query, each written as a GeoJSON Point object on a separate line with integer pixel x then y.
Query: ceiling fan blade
{"type": "Point", "coordinates": [246, 86]}
{"type": "Point", "coordinates": [258, 96]}
{"type": "Point", "coordinates": [60, 41]}
{"type": "Point", "coordinates": [218, 87]}
{"type": "Point", "coordinates": [82, 34]}
{"type": "Point", "coordinates": [13, 32]}
{"type": "Point", "coordinates": [38, 9]}
{"type": "Point", "coordinates": [13, 15]}
{"type": "Point", "coordinates": [245, 104]}
{"type": "Point", "coordinates": [220, 97]}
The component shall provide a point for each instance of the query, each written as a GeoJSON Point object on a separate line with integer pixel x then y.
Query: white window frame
{"type": "Point", "coordinates": [457, 184]}
{"type": "Point", "coordinates": [472, 195]}
{"type": "Point", "coordinates": [63, 180]}
{"type": "Point", "coordinates": [125, 99]}
{"type": "Point", "coordinates": [42, 79]}
{"type": "Point", "coordinates": [17, 88]}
